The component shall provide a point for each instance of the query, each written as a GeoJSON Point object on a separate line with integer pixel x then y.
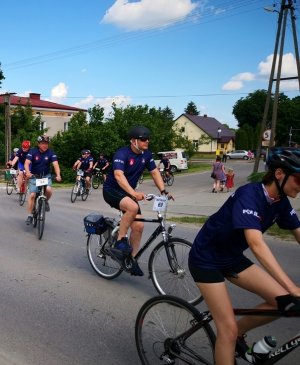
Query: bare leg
{"type": "Point", "coordinates": [131, 208]}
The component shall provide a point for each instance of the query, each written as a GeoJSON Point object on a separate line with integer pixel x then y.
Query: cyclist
{"type": "Point", "coordinates": [20, 159]}
{"type": "Point", "coordinates": [118, 191]}
{"type": "Point", "coordinates": [85, 163]}
{"type": "Point", "coordinates": [217, 252]}
{"type": "Point", "coordinates": [11, 158]}
{"type": "Point", "coordinates": [166, 163]}
{"type": "Point", "coordinates": [38, 161]}
{"type": "Point", "coordinates": [103, 165]}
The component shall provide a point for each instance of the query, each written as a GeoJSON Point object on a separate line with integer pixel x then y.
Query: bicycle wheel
{"type": "Point", "coordinates": [169, 271]}
{"type": "Point", "coordinates": [168, 330]}
{"type": "Point", "coordinates": [170, 180]}
{"type": "Point", "coordinates": [41, 216]}
{"type": "Point", "coordinates": [75, 191]}
{"type": "Point", "coordinates": [10, 186]}
{"type": "Point", "coordinates": [23, 193]}
{"type": "Point", "coordinates": [95, 181]}
{"type": "Point", "coordinates": [85, 194]}
{"type": "Point", "coordinates": [99, 257]}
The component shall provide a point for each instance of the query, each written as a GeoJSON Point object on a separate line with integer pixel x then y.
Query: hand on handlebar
{"type": "Point", "coordinates": [167, 194]}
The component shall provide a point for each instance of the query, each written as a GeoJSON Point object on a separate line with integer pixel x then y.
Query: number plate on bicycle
{"type": "Point", "coordinates": [13, 171]}
{"type": "Point", "coordinates": [160, 203]}
{"type": "Point", "coordinates": [80, 173]}
{"type": "Point", "coordinates": [41, 182]}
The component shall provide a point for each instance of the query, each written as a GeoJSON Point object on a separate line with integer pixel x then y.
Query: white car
{"type": "Point", "coordinates": [243, 154]}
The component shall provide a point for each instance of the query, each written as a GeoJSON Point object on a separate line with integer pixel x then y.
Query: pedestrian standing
{"type": "Point", "coordinates": [218, 170]}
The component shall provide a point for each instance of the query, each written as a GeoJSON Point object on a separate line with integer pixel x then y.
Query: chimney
{"type": "Point", "coordinates": [35, 96]}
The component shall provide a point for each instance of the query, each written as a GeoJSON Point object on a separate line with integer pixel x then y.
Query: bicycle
{"type": "Point", "coordinates": [97, 178]}
{"type": "Point", "coordinates": [39, 210]}
{"type": "Point", "coordinates": [11, 183]}
{"type": "Point", "coordinates": [167, 263]}
{"type": "Point", "coordinates": [79, 187]}
{"type": "Point", "coordinates": [23, 190]}
{"type": "Point", "coordinates": [168, 330]}
{"type": "Point", "coordinates": [167, 179]}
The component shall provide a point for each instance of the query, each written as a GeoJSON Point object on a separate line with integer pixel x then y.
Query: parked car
{"type": "Point", "coordinates": [178, 159]}
{"type": "Point", "coordinates": [238, 154]}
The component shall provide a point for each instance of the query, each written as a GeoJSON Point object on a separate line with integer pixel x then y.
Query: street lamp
{"type": "Point", "coordinates": [219, 133]}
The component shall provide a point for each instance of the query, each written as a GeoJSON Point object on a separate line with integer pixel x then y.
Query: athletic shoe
{"type": "Point", "coordinates": [47, 206]}
{"type": "Point", "coordinates": [29, 220]}
{"type": "Point", "coordinates": [122, 248]}
{"type": "Point", "coordinates": [135, 269]}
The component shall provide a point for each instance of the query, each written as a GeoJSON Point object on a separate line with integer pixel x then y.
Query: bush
{"type": "Point", "coordinates": [256, 176]}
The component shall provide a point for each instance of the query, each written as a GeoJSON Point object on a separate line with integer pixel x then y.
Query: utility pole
{"type": "Point", "coordinates": [7, 125]}
{"type": "Point", "coordinates": [286, 6]}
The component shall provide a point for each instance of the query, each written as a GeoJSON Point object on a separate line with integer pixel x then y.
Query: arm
{"type": "Point", "coordinates": [106, 166]}
{"type": "Point", "coordinates": [96, 164]}
{"type": "Point", "coordinates": [27, 168]}
{"type": "Point", "coordinates": [14, 160]}
{"type": "Point", "coordinates": [76, 165]}
{"type": "Point", "coordinates": [264, 255]}
{"type": "Point", "coordinates": [123, 183]}
{"type": "Point", "coordinates": [57, 170]}
{"type": "Point", "coordinates": [296, 233]}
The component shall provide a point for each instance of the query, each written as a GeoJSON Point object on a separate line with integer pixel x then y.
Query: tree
{"type": "Point", "coordinates": [191, 109]}
{"type": "Point", "coordinates": [1, 76]}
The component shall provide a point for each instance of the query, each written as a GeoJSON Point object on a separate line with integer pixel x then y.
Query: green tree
{"type": "Point", "coordinates": [1, 75]}
{"type": "Point", "coordinates": [191, 109]}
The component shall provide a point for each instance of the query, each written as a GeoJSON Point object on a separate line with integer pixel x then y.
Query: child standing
{"type": "Point", "coordinates": [229, 179]}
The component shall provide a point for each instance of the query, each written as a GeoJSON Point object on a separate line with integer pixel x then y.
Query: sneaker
{"type": "Point", "coordinates": [47, 207]}
{"type": "Point", "coordinates": [122, 248]}
{"type": "Point", "coordinates": [135, 269]}
{"type": "Point", "coordinates": [242, 349]}
{"type": "Point", "coordinates": [29, 220]}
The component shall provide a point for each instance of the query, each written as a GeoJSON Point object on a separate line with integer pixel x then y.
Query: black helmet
{"type": "Point", "coordinates": [286, 158]}
{"type": "Point", "coordinates": [139, 132]}
{"type": "Point", "coordinates": [43, 138]}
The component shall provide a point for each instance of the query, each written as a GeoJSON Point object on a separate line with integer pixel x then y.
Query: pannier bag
{"type": "Point", "coordinates": [95, 223]}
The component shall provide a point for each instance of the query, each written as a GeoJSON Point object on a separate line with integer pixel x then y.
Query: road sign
{"type": "Point", "coordinates": [267, 135]}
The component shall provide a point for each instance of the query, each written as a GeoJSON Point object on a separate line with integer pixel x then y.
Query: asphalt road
{"type": "Point", "coordinates": [56, 311]}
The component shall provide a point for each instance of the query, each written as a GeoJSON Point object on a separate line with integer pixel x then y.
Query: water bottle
{"type": "Point", "coordinates": [261, 349]}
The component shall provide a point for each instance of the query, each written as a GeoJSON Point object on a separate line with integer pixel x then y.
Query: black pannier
{"type": "Point", "coordinates": [95, 223]}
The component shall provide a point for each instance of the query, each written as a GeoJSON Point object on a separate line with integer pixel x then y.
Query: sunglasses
{"type": "Point", "coordinates": [143, 139]}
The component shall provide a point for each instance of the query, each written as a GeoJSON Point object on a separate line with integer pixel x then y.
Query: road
{"type": "Point", "coordinates": [56, 311]}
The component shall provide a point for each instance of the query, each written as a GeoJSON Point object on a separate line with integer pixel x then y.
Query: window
{"type": "Point", "coordinates": [66, 125]}
{"type": "Point", "coordinates": [196, 143]}
{"type": "Point", "coordinates": [42, 125]}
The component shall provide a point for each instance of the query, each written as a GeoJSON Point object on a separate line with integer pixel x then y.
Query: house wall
{"type": "Point", "coordinates": [193, 133]}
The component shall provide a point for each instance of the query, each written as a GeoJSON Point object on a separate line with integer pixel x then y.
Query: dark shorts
{"type": "Point", "coordinates": [113, 197]}
{"type": "Point", "coordinates": [89, 174]}
{"type": "Point", "coordinates": [219, 275]}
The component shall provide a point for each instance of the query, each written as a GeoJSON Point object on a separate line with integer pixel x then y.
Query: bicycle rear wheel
{"type": "Point", "coordinates": [75, 191]}
{"type": "Point", "coordinates": [169, 271]}
{"type": "Point", "coordinates": [95, 181]}
{"type": "Point", "coordinates": [10, 186]}
{"type": "Point", "coordinates": [41, 216]}
{"type": "Point", "coordinates": [99, 257]}
{"type": "Point", "coordinates": [168, 330]}
{"type": "Point", "coordinates": [170, 180]}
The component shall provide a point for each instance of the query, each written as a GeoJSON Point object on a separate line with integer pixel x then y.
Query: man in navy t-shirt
{"type": "Point", "coordinates": [37, 164]}
{"type": "Point", "coordinates": [103, 165]}
{"type": "Point", "coordinates": [119, 191]}
{"type": "Point", "coordinates": [85, 163]}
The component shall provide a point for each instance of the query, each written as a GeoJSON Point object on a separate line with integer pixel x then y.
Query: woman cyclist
{"type": "Point", "coordinates": [20, 158]}
{"type": "Point", "coordinates": [217, 252]}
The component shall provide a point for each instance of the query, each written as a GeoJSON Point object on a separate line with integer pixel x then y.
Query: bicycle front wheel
{"type": "Point", "coordinates": [9, 187]}
{"type": "Point", "coordinates": [169, 271]}
{"type": "Point", "coordinates": [75, 191]}
{"type": "Point", "coordinates": [168, 330]}
{"type": "Point", "coordinates": [99, 257]}
{"type": "Point", "coordinates": [41, 216]}
{"type": "Point", "coordinates": [22, 198]}
{"type": "Point", "coordinates": [170, 180]}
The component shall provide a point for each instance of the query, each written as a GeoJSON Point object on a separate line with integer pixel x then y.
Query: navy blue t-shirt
{"type": "Point", "coordinates": [85, 162]}
{"type": "Point", "coordinates": [102, 162]}
{"type": "Point", "coordinates": [132, 164]}
{"type": "Point", "coordinates": [165, 161]}
{"type": "Point", "coordinates": [41, 161]}
{"type": "Point", "coordinates": [221, 241]}
{"type": "Point", "coordinates": [22, 155]}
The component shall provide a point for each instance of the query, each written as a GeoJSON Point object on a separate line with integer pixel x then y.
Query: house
{"type": "Point", "coordinates": [206, 133]}
{"type": "Point", "coordinates": [54, 116]}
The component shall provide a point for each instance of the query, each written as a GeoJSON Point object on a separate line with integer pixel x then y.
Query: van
{"type": "Point", "coordinates": [178, 159]}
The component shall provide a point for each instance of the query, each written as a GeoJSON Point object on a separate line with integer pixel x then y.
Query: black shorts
{"type": "Point", "coordinates": [113, 197]}
{"type": "Point", "coordinates": [218, 275]}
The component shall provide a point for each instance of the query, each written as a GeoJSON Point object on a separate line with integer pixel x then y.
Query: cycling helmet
{"type": "Point", "coordinates": [139, 132]}
{"type": "Point", "coordinates": [83, 152]}
{"type": "Point", "coordinates": [16, 150]}
{"type": "Point", "coordinates": [26, 144]}
{"type": "Point", "coordinates": [43, 138]}
{"type": "Point", "coordinates": [286, 158]}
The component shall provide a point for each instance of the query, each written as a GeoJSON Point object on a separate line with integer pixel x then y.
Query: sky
{"type": "Point", "coordinates": [163, 53]}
